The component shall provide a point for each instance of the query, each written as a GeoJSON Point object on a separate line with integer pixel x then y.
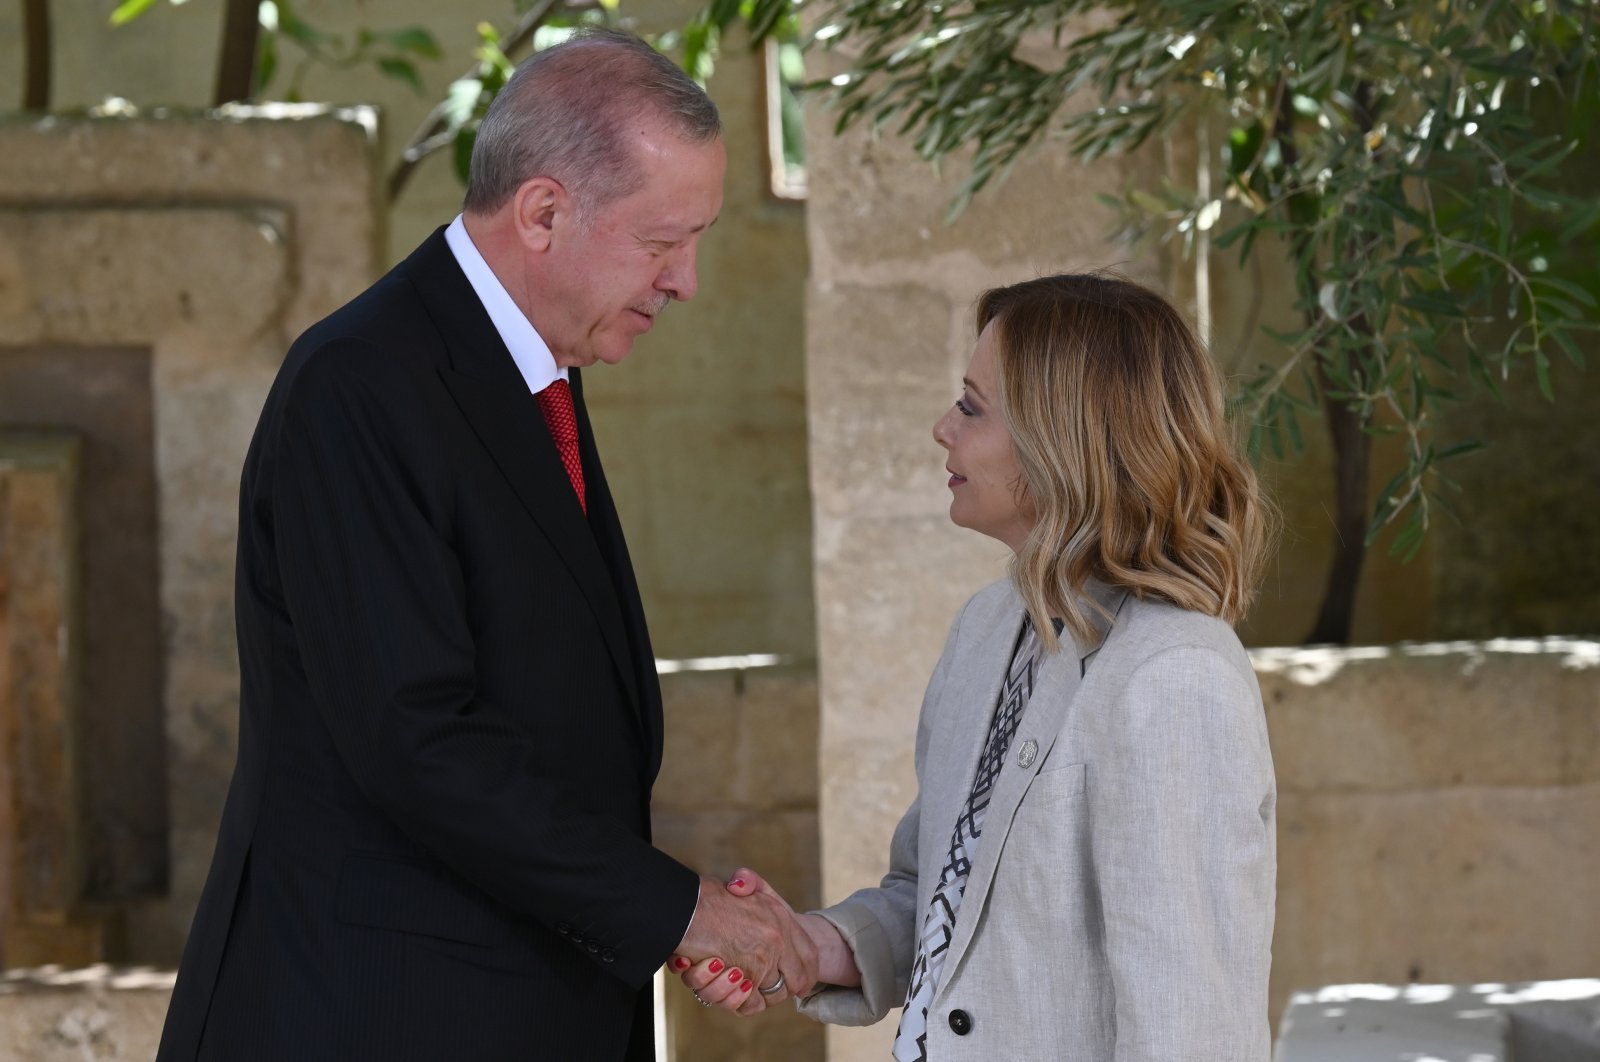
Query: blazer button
{"type": "Point", "coordinates": [564, 929]}
{"type": "Point", "coordinates": [960, 1022]}
{"type": "Point", "coordinates": [592, 946]}
{"type": "Point", "coordinates": [607, 955]}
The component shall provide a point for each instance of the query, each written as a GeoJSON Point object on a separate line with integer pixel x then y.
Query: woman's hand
{"type": "Point", "coordinates": [716, 985]}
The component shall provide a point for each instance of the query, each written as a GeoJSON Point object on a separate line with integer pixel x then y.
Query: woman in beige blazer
{"type": "Point", "coordinates": [1087, 873]}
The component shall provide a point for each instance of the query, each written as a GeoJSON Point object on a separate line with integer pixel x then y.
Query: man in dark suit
{"type": "Point", "coordinates": [436, 843]}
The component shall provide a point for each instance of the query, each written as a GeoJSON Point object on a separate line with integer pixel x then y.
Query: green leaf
{"type": "Point", "coordinates": [461, 151]}
{"type": "Point", "coordinates": [1461, 449]}
{"type": "Point", "coordinates": [129, 10]}
{"type": "Point", "coordinates": [414, 39]}
{"type": "Point", "coordinates": [401, 70]}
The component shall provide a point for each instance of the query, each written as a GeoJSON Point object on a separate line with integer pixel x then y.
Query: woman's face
{"type": "Point", "coordinates": [985, 476]}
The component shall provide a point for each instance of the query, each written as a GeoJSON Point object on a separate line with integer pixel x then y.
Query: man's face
{"type": "Point", "coordinates": [611, 273]}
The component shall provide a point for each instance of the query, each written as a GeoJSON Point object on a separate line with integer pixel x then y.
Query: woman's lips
{"type": "Point", "coordinates": [956, 480]}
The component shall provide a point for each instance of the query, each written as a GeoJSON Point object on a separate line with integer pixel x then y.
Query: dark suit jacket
{"type": "Point", "coordinates": [436, 842]}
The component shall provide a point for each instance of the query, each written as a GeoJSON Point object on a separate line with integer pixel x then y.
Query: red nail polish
{"type": "Point", "coordinates": [734, 975]}
{"type": "Point", "coordinates": [716, 966]}
{"type": "Point", "coordinates": [680, 963]}
{"type": "Point", "coordinates": [746, 986]}
{"type": "Point", "coordinates": [737, 883]}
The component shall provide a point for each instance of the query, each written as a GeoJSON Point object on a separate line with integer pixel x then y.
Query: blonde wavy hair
{"type": "Point", "coordinates": [1128, 461]}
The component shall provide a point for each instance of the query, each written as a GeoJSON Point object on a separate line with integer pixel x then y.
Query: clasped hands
{"type": "Point", "coordinates": [747, 950]}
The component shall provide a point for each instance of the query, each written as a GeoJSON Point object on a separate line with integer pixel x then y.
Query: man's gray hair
{"type": "Point", "coordinates": [564, 114]}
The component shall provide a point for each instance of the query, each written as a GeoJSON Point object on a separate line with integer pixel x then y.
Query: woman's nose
{"type": "Point", "coordinates": [941, 431]}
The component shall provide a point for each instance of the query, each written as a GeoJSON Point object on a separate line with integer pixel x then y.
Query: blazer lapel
{"type": "Point", "coordinates": [493, 397]}
{"type": "Point", "coordinates": [1055, 686]}
{"type": "Point", "coordinates": [965, 712]}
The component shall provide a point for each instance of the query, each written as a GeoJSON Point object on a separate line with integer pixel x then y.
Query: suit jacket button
{"type": "Point", "coordinates": [607, 955]}
{"type": "Point", "coordinates": [960, 1022]}
{"type": "Point", "coordinates": [564, 929]}
{"type": "Point", "coordinates": [592, 946]}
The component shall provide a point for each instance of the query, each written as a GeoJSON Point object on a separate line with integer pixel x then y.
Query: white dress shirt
{"type": "Point", "coordinates": [528, 349]}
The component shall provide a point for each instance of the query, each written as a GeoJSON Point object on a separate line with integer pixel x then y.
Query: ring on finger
{"type": "Point", "coordinates": [774, 988]}
{"type": "Point", "coordinates": [697, 999]}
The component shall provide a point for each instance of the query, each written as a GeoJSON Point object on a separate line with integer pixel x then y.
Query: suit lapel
{"type": "Point", "coordinates": [1055, 686]}
{"type": "Point", "coordinates": [607, 528]}
{"type": "Point", "coordinates": [493, 397]}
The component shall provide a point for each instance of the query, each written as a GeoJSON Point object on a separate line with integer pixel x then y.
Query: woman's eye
{"type": "Point", "coordinates": [961, 404]}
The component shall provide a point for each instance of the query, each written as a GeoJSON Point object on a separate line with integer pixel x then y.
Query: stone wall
{"type": "Point", "coordinates": [1437, 813]}
{"type": "Point", "coordinates": [738, 787]}
{"type": "Point", "coordinates": [152, 273]}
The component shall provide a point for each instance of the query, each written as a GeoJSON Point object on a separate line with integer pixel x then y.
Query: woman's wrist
{"type": "Point", "coordinates": [836, 964]}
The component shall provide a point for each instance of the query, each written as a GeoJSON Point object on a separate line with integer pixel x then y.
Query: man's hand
{"type": "Point", "coordinates": [752, 937]}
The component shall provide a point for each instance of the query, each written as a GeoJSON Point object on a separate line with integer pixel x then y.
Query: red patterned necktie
{"type": "Point", "coordinates": [555, 402]}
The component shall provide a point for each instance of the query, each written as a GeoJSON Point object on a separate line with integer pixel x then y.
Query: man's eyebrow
{"type": "Point", "coordinates": [967, 380]}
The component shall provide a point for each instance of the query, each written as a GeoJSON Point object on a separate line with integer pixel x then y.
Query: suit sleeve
{"type": "Point", "coordinates": [361, 509]}
{"type": "Point", "coordinates": [1183, 846]}
{"type": "Point", "coordinates": [880, 924]}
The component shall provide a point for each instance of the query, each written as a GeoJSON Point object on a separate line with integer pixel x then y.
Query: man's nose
{"type": "Point", "coordinates": [680, 278]}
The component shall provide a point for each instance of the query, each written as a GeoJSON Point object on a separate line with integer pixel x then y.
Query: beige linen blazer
{"type": "Point", "coordinates": [1120, 905]}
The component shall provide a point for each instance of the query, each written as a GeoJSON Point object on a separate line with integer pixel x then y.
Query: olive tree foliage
{"type": "Point", "coordinates": [1405, 154]}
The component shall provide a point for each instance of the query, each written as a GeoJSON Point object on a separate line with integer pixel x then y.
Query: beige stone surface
{"type": "Point", "coordinates": [51, 1014]}
{"type": "Point", "coordinates": [738, 787]}
{"type": "Point", "coordinates": [1437, 813]}
{"type": "Point", "coordinates": [1434, 716]}
{"type": "Point", "coordinates": [1459, 884]}
{"type": "Point", "coordinates": [210, 242]}
{"type": "Point", "coordinates": [42, 845]}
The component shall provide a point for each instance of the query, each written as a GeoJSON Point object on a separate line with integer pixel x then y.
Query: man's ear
{"type": "Point", "coordinates": [535, 211]}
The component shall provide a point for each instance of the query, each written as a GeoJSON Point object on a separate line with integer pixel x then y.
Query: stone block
{"type": "Point", "coordinates": [1379, 1023]}
{"type": "Point", "coordinates": [1518, 713]}
{"type": "Point", "coordinates": [1474, 883]}
{"type": "Point", "coordinates": [51, 1014]}
{"type": "Point", "coordinates": [777, 727]}
{"type": "Point", "coordinates": [700, 752]}
{"type": "Point", "coordinates": [317, 165]}
{"type": "Point", "coordinates": [1549, 1021]}
{"type": "Point", "coordinates": [42, 854]}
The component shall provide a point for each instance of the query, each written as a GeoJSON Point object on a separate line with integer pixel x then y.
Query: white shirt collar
{"type": "Point", "coordinates": [527, 347]}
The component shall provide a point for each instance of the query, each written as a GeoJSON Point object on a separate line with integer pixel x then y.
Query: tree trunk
{"type": "Point", "coordinates": [36, 55]}
{"type": "Point", "coordinates": [1352, 449]}
{"type": "Point", "coordinates": [1352, 453]}
{"type": "Point", "coordinates": [236, 68]}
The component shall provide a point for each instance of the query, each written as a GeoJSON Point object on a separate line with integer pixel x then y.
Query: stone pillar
{"type": "Point", "coordinates": [171, 258]}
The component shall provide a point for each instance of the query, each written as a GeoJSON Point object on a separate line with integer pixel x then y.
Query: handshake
{"type": "Point", "coordinates": [747, 950]}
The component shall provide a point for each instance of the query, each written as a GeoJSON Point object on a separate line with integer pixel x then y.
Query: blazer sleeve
{"type": "Point", "coordinates": [1183, 849]}
{"type": "Point", "coordinates": [880, 924]}
{"type": "Point", "coordinates": [376, 596]}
